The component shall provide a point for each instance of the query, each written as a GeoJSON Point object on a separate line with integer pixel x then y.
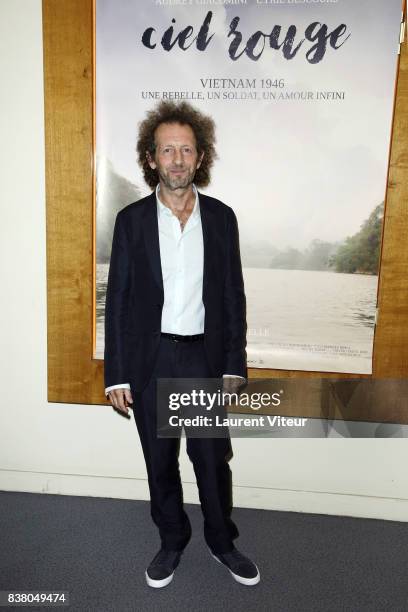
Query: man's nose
{"type": "Point", "coordinates": [178, 157]}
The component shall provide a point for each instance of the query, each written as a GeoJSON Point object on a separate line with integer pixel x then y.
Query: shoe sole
{"type": "Point", "coordinates": [158, 584]}
{"type": "Point", "coordinates": [240, 579]}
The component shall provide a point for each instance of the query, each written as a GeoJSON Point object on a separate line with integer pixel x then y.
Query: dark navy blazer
{"type": "Point", "coordinates": [135, 295]}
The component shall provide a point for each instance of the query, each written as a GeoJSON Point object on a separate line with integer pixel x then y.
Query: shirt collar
{"type": "Point", "coordinates": [165, 210]}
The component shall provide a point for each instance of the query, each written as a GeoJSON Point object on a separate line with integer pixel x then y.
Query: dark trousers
{"type": "Point", "coordinates": [209, 456]}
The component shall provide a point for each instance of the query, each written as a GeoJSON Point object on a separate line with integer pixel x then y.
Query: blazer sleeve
{"type": "Point", "coordinates": [235, 325]}
{"type": "Point", "coordinates": [117, 306]}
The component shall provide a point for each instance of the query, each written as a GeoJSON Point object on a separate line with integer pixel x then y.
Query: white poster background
{"type": "Point", "coordinates": [298, 162]}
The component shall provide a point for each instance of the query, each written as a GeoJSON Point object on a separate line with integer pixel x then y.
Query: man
{"type": "Point", "coordinates": [175, 308]}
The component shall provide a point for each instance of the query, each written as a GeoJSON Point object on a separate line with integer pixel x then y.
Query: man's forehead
{"type": "Point", "coordinates": [174, 131]}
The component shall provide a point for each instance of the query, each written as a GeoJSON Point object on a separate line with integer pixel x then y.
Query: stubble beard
{"type": "Point", "coordinates": [177, 182]}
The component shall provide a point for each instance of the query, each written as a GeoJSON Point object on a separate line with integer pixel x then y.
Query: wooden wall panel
{"type": "Point", "coordinates": [391, 339]}
{"type": "Point", "coordinates": [73, 376]}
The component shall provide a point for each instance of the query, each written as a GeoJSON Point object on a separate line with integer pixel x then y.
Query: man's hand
{"type": "Point", "coordinates": [232, 384]}
{"type": "Point", "coordinates": [120, 400]}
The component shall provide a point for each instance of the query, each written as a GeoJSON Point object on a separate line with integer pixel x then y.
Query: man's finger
{"type": "Point", "coordinates": [113, 395]}
{"type": "Point", "coordinates": [128, 396]}
{"type": "Point", "coordinates": [111, 398]}
{"type": "Point", "coordinates": [121, 402]}
{"type": "Point", "coordinates": [117, 397]}
{"type": "Point", "coordinates": [232, 386]}
{"type": "Point", "coordinates": [227, 388]}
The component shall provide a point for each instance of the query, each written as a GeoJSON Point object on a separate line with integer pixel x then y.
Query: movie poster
{"type": "Point", "coordinates": [302, 94]}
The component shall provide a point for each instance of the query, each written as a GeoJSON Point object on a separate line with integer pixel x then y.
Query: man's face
{"type": "Point", "coordinates": [175, 159]}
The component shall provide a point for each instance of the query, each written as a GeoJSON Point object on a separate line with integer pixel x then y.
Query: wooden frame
{"type": "Point", "coordinates": [73, 375]}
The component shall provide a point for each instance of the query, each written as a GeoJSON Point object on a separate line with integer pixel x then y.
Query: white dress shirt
{"type": "Point", "coordinates": [182, 263]}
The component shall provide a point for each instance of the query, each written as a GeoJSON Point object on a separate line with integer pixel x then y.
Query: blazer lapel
{"type": "Point", "coordinates": [151, 238]}
{"type": "Point", "coordinates": [206, 224]}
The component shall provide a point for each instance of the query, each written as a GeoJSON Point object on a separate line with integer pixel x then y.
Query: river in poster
{"type": "Point", "coordinates": [302, 95]}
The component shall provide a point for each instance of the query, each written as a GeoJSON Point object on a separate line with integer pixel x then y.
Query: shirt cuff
{"type": "Point", "coordinates": [122, 386]}
{"type": "Point", "coordinates": [233, 376]}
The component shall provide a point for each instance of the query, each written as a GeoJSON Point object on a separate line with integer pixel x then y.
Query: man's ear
{"type": "Point", "coordinates": [150, 160]}
{"type": "Point", "coordinates": [200, 159]}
